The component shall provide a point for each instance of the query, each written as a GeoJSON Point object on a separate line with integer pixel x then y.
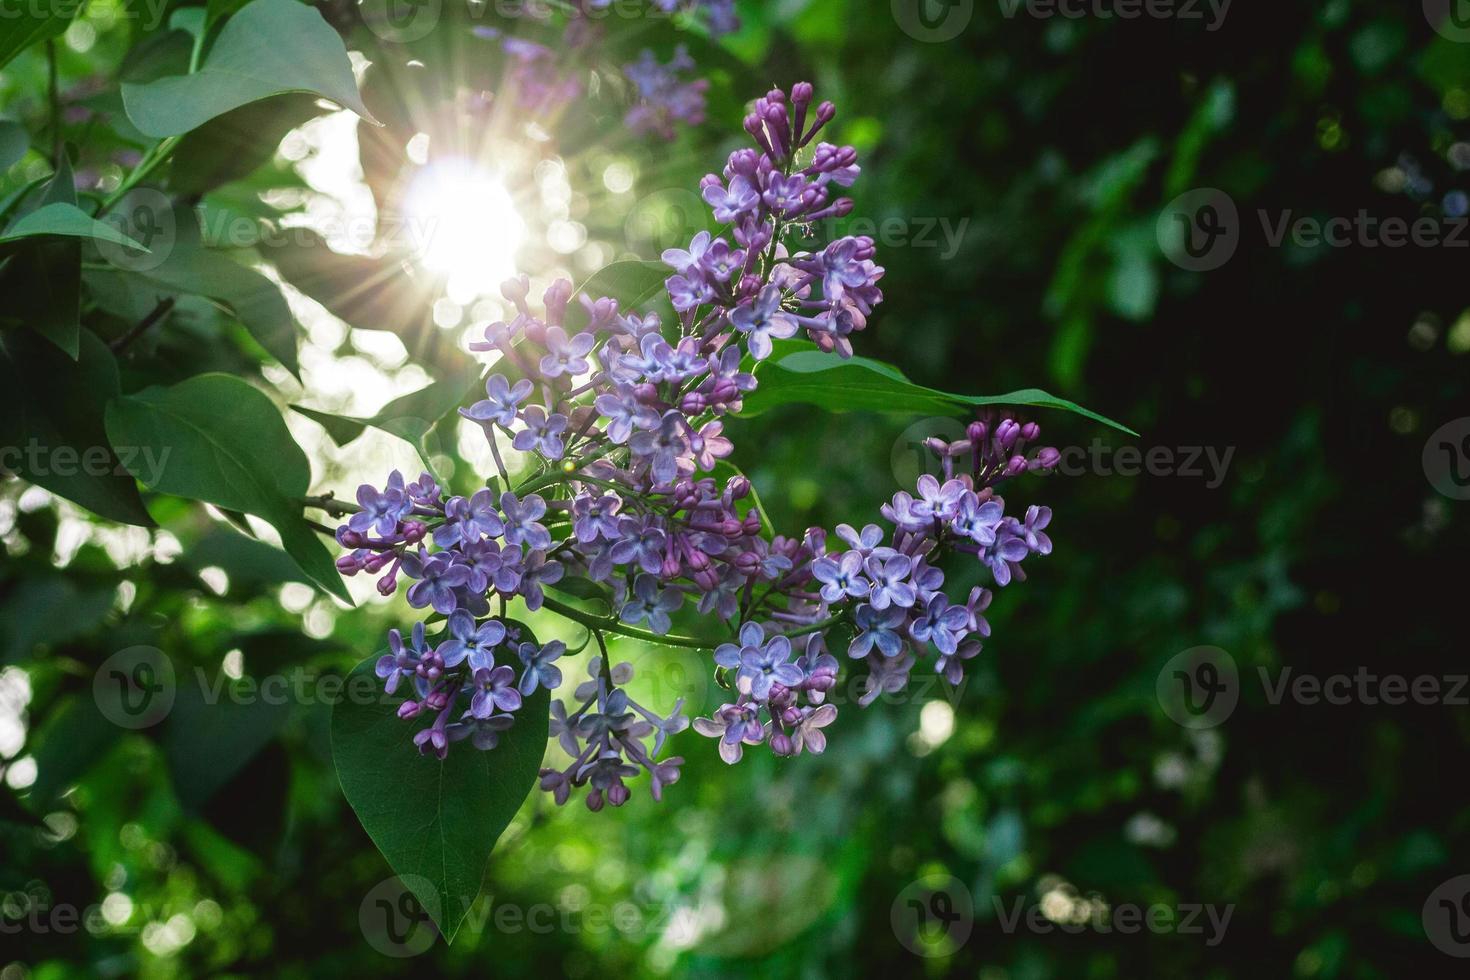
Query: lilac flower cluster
{"type": "Point", "coordinates": [663, 96]}
{"type": "Point", "coordinates": [619, 418]}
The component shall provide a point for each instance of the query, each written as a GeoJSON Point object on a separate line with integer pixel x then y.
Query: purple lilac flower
{"type": "Point", "coordinates": [520, 521]}
{"type": "Point", "coordinates": [594, 517]}
{"type": "Point", "coordinates": [483, 733]}
{"type": "Point", "coordinates": [494, 688]}
{"type": "Point", "coordinates": [651, 604]}
{"type": "Point", "coordinates": [942, 624]}
{"type": "Point", "coordinates": [760, 667]}
{"type": "Point", "coordinates": [469, 520]}
{"type": "Point", "coordinates": [663, 446]}
{"type": "Point", "coordinates": [401, 660]}
{"type": "Point", "coordinates": [466, 640]}
{"type": "Point", "coordinates": [841, 577]}
{"type": "Point", "coordinates": [535, 573]}
{"type": "Point", "coordinates": [565, 356]}
{"type": "Point", "coordinates": [761, 320]}
{"type": "Point", "coordinates": [438, 576]}
{"type": "Point", "coordinates": [542, 433]}
{"type": "Point", "coordinates": [381, 512]}
{"type": "Point", "coordinates": [541, 669]}
{"type": "Point", "coordinates": [501, 403]}
{"type": "Point", "coordinates": [877, 628]}
{"type": "Point", "coordinates": [890, 581]}
{"type": "Point", "coordinates": [624, 413]}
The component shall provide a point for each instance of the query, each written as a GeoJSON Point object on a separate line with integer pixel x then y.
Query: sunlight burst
{"type": "Point", "coordinates": [465, 225]}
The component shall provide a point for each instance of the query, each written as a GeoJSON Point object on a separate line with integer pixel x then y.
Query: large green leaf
{"type": "Point", "coordinates": [188, 266]}
{"type": "Point", "coordinates": [800, 373]}
{"type": "Point", "coordinates": [227, 445]}
{"type": "Point", "coordinates": [270, 47]}
{"type": "Point", "coordinates": [45, 280]}
{"type": "Point", "coordinates": [211, 733]}
{"type": "Point", "coordinates": [54, 406]}
{"type": "Point", "coordinates": [411, 417]}
{"type": "Point", "coordinates": [435, 822]}
{"type": "Point", "coordinates": [30, 23]}
{"type": "Point", "coordinates": [233, 145]}
{"type": "Point", "coordinates": [66, 221]}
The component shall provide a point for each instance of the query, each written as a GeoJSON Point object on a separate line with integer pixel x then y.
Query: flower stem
{"type": "Point", "coordinates": [613, 625]}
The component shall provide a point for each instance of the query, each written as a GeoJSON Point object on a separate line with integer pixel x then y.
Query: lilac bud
{"type": "Point", "coordinates": [1046, 459]}
{"type": "Point", "coordinates": [693, 403]}
{"type": "Point", "coordinates": [1006, 433]}
{"type": "Point", "coordinates": [936, 445]}
{"type": "Point", "coordinates": [1016, 465]}
{"type": "Point", "coordinates": [438, 700]}
{"type": "Point", "coordinates": [646, 392]}
{"type": "Point", "coordinates": [594, 800]}
{"type": "Point", "coordinates": [1030, 431]}
{"type": "Point", "coordinates": [388, 584]}
{"type": "Point", "coordinates": [349, 564]}
{"type": "Point", "coordinates": [753, 522]}
{"type": "Point", "coordinates": [976, 432]}
{"type": "Point", "coordinates": [349, 538]}
{"type": "Point", "coordinates": [738, 488]}
{"type": "Point", "coordinates": [409, 709]}
{"type": "Point", "coordinates": [414, 531]}
{"type": "Point", "coordinates": [782, 745]}
{"type": "Point", "coordinates": [801, 93]}
{"type": "Point", "coordinates": [618, 795]}
{"type": "Point", "coordinates": [376, 563]}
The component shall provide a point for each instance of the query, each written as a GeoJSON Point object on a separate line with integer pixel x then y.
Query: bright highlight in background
{"type": "Point", "coordinates": [464, 224]}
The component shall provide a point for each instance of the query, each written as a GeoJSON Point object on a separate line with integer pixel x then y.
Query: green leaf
{"type": "Point", "coordinates": [46, 276]}
{"type": "Point", "coordinates": [208, 737]}
{"type": "Point", "coordinates": [226, 444]}
{"type": "Point", "coordinates": [28, 24]}
{"type": "Point", "coordinates": [14, 143]}
{"type": "Point", "coordinates": [235, 144]}
{"type": "Point", "coordinates": [50, 611]}
{"type": "Point", "coordinates": [411, 417]}
{"type": "Point", "coordinates": [270, 47]}
{"type": "Point", "coordinates": [55, 406]}
{"type": "Point", "coordinates": [68, 221]}
{"type": "Point", "coordinates": [72, 740]}
{"type": "Point", "coordinates": [188, 266]}
{"type": "Point", "coordinates": [631, 282]}
{"type": "Point", "coordinates": [800, 373]}
{"type": "Point", "coordinates": [435, 822]}
{"type": "Point", "coordinates": [247, 562]}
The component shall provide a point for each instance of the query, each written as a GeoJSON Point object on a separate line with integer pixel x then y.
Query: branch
{"type": "Point", "coordinates": [158, 313]}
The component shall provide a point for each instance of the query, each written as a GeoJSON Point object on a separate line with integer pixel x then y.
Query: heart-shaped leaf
{"type": "Point", "coordinates": [215, 438]}
{"type": "Point", "coordinates": [434, 821]}
{"type": "Point", "coordinates": [268, 48]}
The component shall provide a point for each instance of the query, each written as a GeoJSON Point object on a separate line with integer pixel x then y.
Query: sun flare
{"type": "Point", "coordinates": [464, 224]}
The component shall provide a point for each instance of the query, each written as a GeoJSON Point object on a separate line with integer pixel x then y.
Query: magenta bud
{"type": "Point", "coordinates": [414, 531]}
{"type": "Point", "coordinates": [349, 538]}
{"type": "Point", "coordinates": [1017, 464]}
{"type": "Point", "coordinates": [388, 584]}
{"type": "Point", "coordinates": [618, 795]}
{"type": "Point", "coordinates": [976, 432]}
{"type": "Point", "coordinates": [738, 488]}
{"type": "Point", "coordinates": [349, 564]}
{"type": "Point", "coordinates": [646, 392]}
{"type": "Point", "coordinates": [753, 522]}
{"type": "Point", "coordinates": [1030, 431]}
{"type": "Point", "coordinates": [409, 709]}
{"type": "Point", "coordinates": [1006, 433]}
{"type": "Point", "coordinates": [781, 744]}
{"type": "Point", "coordinates": [594, 800]}
{"type": "Point", "coordinates": [801, 93]}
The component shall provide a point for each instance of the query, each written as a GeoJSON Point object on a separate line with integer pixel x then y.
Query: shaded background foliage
{"type": "Point", "coordinates": [1323, 550]}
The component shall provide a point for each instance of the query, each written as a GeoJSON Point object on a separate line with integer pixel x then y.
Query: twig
{"type": "Point", "coordinates": [158, 313]}
{"type": "Point", "coordinates": [329, 503]}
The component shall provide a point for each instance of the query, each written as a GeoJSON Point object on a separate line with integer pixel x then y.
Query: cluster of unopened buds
{"type": "Point", "coordinates": [621, 419]}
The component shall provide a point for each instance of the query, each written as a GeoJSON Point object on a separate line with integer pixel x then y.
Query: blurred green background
{"type": "Point", "coordinates": [218, 843]}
